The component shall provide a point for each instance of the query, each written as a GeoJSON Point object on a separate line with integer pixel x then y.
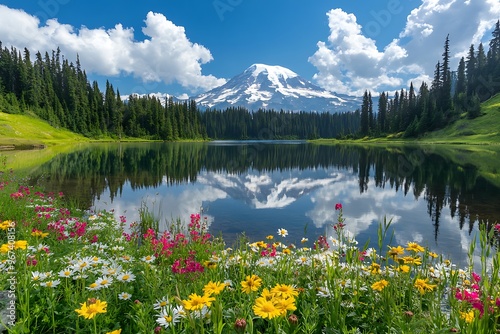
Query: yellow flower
{"type": "Point", "coordinates": [412, 260]}
{"type": "Point", "coordinates": [251, 283]}
{"type": "Point", "coordinates": [38, 233]}
{"type": "Point", "coordinates": [270, 237]}
{"type": "Point", "coordinates": [213, 288]}
{"type": "Point", "coordinates": [433, 255]}
{"type": "Point", "coordinates": [91, 308]}
{"type": "Point", "coordinates": [20, 244]}
{"type": "Point", "coordinates": [286, 251]}
{"type": "Point", "coordinates": [265, 308]}
{"type": "Point", "coordinates": [285, 304]}
{"type": "Point", "coordinates": [423, 286]}
{"type": "Point", "coordinates": [210, 264]}
{"type": "Point", "coordinates": [4, 248]}
{"type": "Point", "coordinates": [414, 247]}
{"type": "Point", "coordinates": [380, 285]}
{"type": "Point", "coordinates": [261, 244]}
{"type": "Point", "coordinates": [268, 295]}
{"type": "Point", "coordinates": [284, 291]}
{"type": "Point", "coordinates": [6, 224]}
{"type": "Point", "coordinates": [395, 251]}
{"type": "Point", "coordinates": [467, 316]}
{"type": "Point", "coordinates": [404, 268]}
{"type": "Point", "coordinates": [374, 268]}
{"type": "Point", "coordinates": [196, 302]}
{"type": "Point", "coordinates": [118, 331]}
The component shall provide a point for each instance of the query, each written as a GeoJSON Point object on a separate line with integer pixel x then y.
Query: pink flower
{"type": "Point", "coordinates": [476, 277]}
{"type": "Point", "coordinates": [16, 195]}
{"type": "Point", "coordinates": [322, 243]}
{"type": "Point", "coordinates": [31, 261]}
{"type": "Point", "coordinates": [338, 206]}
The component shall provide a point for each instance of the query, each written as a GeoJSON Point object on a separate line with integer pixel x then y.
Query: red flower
{"type": "Point", "coordinates": [338, 206]}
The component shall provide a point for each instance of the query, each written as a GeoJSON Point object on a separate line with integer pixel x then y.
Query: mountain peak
{"type": "Point", "coordinates": [263, 86]}
{"type": "Point", "coordinates": [271, 71]}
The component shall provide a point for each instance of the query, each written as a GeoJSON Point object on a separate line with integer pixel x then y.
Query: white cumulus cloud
{"type": "Point", "coordinates": [166, 54]}
{"type": "Point", "coordinates": [350, 62]}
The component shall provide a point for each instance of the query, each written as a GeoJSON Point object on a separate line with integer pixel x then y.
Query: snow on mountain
{"type": "Point", "coordinates": [267, 190]}
{"type": "Point", "coordinates": [275, 87]}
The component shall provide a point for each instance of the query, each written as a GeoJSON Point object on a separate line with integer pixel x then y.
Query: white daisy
{"type": "Point", "coordinates": [104, 281]}
{"type": "Point", "coordinates": [83, 264]}
{"type": "Point", "coordinates": [126, 258]}
{"type": "Point", "coordinates": [148, 258]}
{"type": "Point", "coordinates": [161, 303]}
{"type": "Point", "coordinates": [94, 287]}
{"type": "Point", "coordinates": [303, 260]}
{"type": "Point", "coordinates": [324, 292]}
{"type": "Point", "coordinates": [51, 284]}
{"type": "Point", "coordinates": [68, 272]}
{"type": "Point", "coordinates": [168, 317]}
{"type": "Point", "coordinates": [203, 314]}
{"type": "Point", "coordinates": [36, 276]}
{"type": "Point", "coordinates": [282, 232]}
{"type": "Point", "coordinates": [126, 277]}
{"type": "Point", "coordinates": [111, 269]}
{"type": "Point", "coordinates": [124, 296]}
{"type": "Point", "coordinates": [80, 276]}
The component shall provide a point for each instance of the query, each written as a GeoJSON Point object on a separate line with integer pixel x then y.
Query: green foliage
{"type": "Point", "coordinates": [240, 123]}
{"type": "Point", "coordinates": [477, 80]}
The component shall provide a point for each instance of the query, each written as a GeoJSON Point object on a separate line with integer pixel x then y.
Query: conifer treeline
{"type": "Point", "coordinates": [450, 95]}
{"type": "Point", "coordinates": [239, 123]}
{"type": "Point", "coordinates": [58, 91]}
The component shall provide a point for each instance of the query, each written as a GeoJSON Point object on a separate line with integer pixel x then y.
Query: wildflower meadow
{"type": "Point", "coordinates": [65, 270]}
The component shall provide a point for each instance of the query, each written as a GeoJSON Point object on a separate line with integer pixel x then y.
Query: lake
{"type": "Point", "coordinates": [435, 195]}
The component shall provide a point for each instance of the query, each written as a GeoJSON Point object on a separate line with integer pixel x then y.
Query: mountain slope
{"type": "Point", "coordinates": [482, 129]}
{"type": "Point", "coordinates": [275, 87]}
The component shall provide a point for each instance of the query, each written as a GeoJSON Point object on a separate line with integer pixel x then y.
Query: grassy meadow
{"type": "Point", "coordinates": [70, 271]}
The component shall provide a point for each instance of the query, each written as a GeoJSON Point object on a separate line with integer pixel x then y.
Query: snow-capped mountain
{"type": "Point", "coordinates": [268, 190]}
{"type": "Point", "coordinates": [275, 87]}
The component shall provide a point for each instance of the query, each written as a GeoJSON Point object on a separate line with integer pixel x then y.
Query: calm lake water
{"type": "Point", "coordinates": [435, 195]}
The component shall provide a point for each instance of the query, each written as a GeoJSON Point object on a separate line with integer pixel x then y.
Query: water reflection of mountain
{"type": "Point", "coordinates": [267, 190]}
{"type": "Point", "coordinates": [419, 171]}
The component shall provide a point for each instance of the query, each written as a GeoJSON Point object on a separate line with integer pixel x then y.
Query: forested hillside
{"type": "Point", "coordinates": [58, 91]}
{"type": "Point", "coordinates": [451, 95]}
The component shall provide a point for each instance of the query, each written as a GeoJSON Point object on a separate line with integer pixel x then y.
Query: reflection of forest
{"type": "Point", "coordinates": [84, 175]}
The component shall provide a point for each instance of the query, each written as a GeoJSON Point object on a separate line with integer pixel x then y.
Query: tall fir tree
{"type": "Point", "coordinates": [365, 118]}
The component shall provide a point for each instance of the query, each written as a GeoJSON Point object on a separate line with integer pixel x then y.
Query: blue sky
{"type": "Point", "coordinates": [188, 47]}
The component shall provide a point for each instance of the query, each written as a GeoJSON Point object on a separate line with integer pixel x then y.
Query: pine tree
{"type": "Point", "coordinates": [445, 94]}
{"type": "Point", "coordinates": [382, 112]}
{"type": "Point", "coordinates": [365, 126]}
{"type": "Point", "coordinates": [495, 43]}
{"type": "Point", "coordinates": [471, 68]}
{"type": "Point", "coordinates": [436, 83]}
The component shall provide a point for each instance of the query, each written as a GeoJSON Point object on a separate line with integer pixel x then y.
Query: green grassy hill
{"type": "Point", "coordinates": [481, 130]}
{"type": "Point", "coordinates": [22, 131]}
{"type": "Point", "coordinates": [27, 131]}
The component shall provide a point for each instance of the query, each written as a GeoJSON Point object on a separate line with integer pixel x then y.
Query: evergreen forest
{"type": "Point", "coordinates": [451, 95]}
{"type": "Point", "coordinates": [58, 91]}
